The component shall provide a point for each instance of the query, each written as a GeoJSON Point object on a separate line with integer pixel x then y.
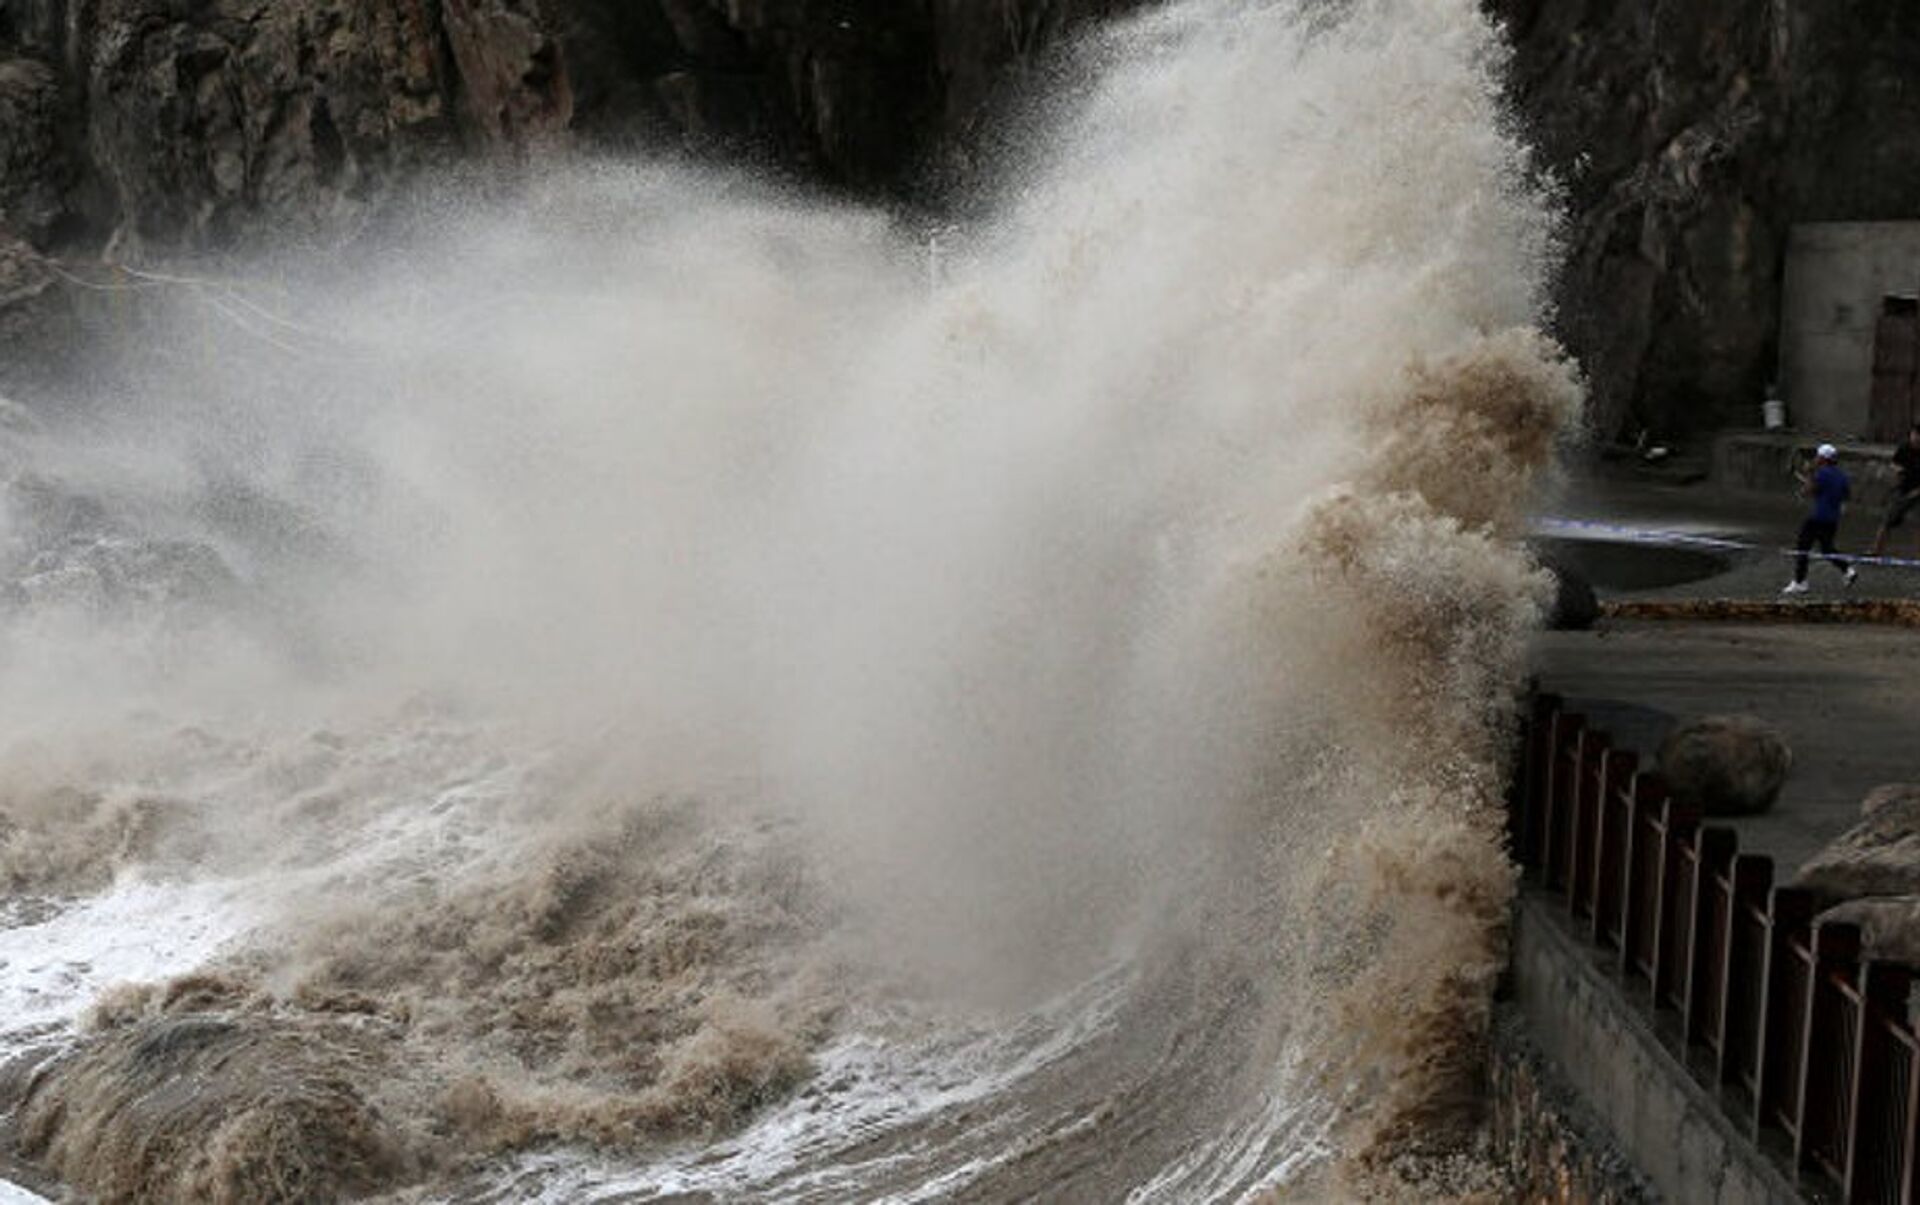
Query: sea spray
{"type": "Point", "coordinates": [633, 634]}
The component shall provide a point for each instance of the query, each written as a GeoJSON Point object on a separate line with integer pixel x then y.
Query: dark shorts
{"type": "Point", "coordinates": [1897, 513]}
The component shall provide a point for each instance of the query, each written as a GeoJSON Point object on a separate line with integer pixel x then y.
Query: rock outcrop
{"type": "Point", "coordinates": [195, 125]}
{"type": "Point", "coordinates": [35, 169]}
{"type": "Point", "coordinates": [1729, 765]}
{"type": "Point", "coordinates": [140, 130]}
{"type": "Point", "coordinates": [1889, 925]}
{"type": "Point", "coordinates": [1892, 795]}
{"type": "Point", "coordinates": [1880, 856]}
{"type": "Point", "coordinates": [1690, 135]}
{"type": "Point", "coordinates": [1870, 875]}
{"type": "Point", "coordinates": [155, 123]}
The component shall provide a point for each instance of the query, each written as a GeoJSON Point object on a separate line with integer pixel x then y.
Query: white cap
{"type": "Point", "coordinates": [1827, 452]}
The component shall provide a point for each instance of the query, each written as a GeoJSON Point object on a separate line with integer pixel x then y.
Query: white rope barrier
{"type": "Point", "coordinates": [1587, 528]}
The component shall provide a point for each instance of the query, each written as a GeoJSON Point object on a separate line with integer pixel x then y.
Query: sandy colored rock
{"type": "Point", "coordinates": [1893, 794]}
{"type": "Point", "coordinates": [1889, 925]}
{"type": "Point", "coordinates": [1880, 856]}
{"type": "Point", "coordinates": [1729, 765]}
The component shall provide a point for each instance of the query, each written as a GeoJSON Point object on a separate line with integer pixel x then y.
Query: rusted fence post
{"type": "Point", "coordinates": [1883, 1061]}
{"type": "Point", "coordinates": [1590, 754]}
{"type": "Point", "coordinates": [1709, 925]}
{"type": "Point", "coordinates": [1745, 974]}
{"type": "Point", "coordinates": [1529, 786]}
{"type": "Point", "coordinates": [1547, 709]}
{"type": "Point", "coordinates": [1519, 780]}
{"type": "Point", "coordinates": [1783, 1012]}
{"type": "Point", "coordinates": [1610, 841]}
{"type": "Point", "coordinates": [1908, 1185]}
{"type": "Point", "coordinates": [1562, 730]}
{"type": "Point", "coordinates": [1673, 900]}
{"type": "Point", "coordinates": [1640, 884]}
{"type": "Point", "coordinates": [1827, 1050]}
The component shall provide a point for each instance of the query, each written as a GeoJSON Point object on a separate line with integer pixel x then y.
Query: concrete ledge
{"type": "Point", "coordinates": [1607, 1047]}
{"type": "Point", "coordinates": [1763, 462]}
{"type": "Point", "coordinates": [1896, 612]}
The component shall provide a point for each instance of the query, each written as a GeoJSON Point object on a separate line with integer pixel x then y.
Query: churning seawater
{"type": "Point", "coordinates": [618, 686]}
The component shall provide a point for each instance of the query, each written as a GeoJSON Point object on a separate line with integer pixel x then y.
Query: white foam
{"type": "Point", "coordinates": [866, 1086]}
{"type": "Point", "coordinates": [52, 968]}
{"type": "Point", "coordinates": [1264, 1151]}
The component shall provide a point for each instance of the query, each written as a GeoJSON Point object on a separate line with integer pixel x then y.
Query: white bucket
{"type": "Point", "coordinates": [1773, 414]}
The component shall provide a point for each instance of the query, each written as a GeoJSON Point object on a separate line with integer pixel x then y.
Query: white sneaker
{"type": "Point", "coordinates": [1853, 575]}
{"type": "Point", "coordinates": [1794, 588]}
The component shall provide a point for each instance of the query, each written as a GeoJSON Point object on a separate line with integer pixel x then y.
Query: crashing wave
{"type": "Point", "coordinates": [678, 704]}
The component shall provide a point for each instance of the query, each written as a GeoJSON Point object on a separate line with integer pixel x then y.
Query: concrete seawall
{"type": "Point", "coordinates": [1628, 1076]}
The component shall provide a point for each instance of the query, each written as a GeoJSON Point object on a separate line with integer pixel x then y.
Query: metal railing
{"type": "Point", "coordinates": [1812, 1042]}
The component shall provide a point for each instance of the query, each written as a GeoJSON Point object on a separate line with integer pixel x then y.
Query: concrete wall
{"type": "Point", "coordinates": [1764, 462]}
{"type": "Point", "coordinates": [1604, 1045]}
{"type": "Point", "coordinates": [1837, 273]}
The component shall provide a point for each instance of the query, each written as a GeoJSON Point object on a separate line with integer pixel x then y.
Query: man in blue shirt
{"type": "Point", "coordinates": [1829, 489]}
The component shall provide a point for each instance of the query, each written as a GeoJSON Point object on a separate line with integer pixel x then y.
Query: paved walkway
{"type": "Point", "coordinates": [1847, 696]}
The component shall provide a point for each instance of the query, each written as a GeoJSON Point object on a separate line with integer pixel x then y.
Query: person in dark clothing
{"type": "Point", "coordinates": [1906, 491]}
{"type": "Point", "coordinates": [1829, 489]}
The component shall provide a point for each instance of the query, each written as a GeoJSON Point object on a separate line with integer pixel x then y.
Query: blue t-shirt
{"type": "Point", "coordinates": [1831, 490]}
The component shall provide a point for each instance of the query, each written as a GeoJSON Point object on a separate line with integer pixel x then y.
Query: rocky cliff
{"type": "Point", "coordinates": [136, 130]}
{"type": "Point", "coordinates": [1689, 134]}
{"type": "Point", "coordinates": [189, 123]}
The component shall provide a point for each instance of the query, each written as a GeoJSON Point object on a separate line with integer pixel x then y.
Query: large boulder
{"type": "Point", "coordinates": [1892, 794]}
{"type": "Point", "coordinates": [1726, 765]}
{"type": "Point", "coordinates": [1889, 925]}
{"type": "Point", "coordinates": [1880, 856]}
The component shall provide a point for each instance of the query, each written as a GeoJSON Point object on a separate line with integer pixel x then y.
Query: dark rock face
{"type": "Point", "coordinates": [201, 121]}
{"type": "Point", "coordinates": [1726, 765]}
{"type": "Point", "coordinates": [137, 130]}
{"type": "Point", "coordinates": [1691, 135]}
{"type": "Point", "coordinates": [35, 170]}
{"type": "Point", "coordinates": [156, 125]}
